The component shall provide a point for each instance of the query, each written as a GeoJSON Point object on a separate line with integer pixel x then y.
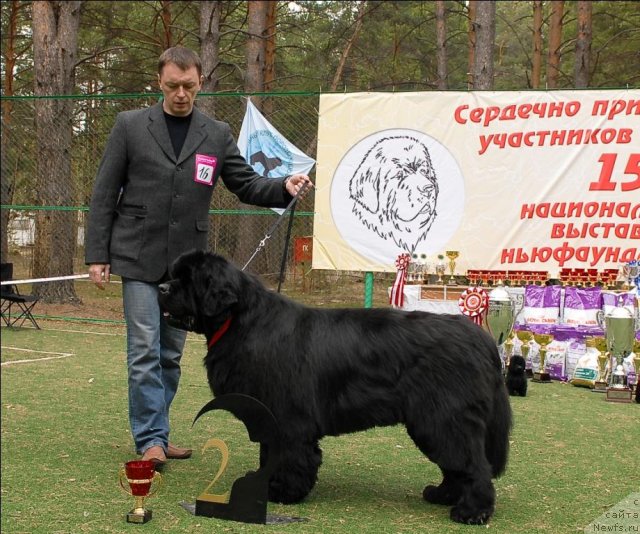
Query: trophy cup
{"type": "Point", "coordinates": [452, 255]}
{"type": "Point", "coordinates": [440, 269]}
{"type": "Point", "coordinates": [525, 336]}
{"type": "Point", "coordinates": [600, 344]}
{"type": "Point", "coordinates": [620, 326]}
{"type": "Point", "coordinates": [501, 315]}
{"type": "Point", "coordinates": [139, 474]}
{"type": "Point", "coordinates": [500, 320]}
{"type": "Point", "coordinates": [541, 375]}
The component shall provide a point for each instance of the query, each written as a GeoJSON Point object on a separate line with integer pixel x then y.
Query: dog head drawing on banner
{"type": "Point", "coordinates": [395, 191]}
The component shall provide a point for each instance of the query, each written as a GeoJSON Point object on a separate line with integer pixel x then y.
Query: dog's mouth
{"type": "Point", "coordinates": [187, 322]}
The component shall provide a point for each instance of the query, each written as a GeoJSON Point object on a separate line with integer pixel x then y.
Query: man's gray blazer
{"type": "Point", "coordinates": [147, 207]}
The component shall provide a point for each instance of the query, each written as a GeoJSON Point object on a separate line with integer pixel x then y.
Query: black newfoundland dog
{"type": "Point", "coordinates": [326, 372]}
{"type": "Point", "coordinates": [517, 376]}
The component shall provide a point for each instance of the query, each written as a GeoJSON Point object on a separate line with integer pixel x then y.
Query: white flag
{"type": "Point", "coordinates": [267, 150]}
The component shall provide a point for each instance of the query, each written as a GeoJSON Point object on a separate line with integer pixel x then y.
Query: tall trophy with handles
{"type": "Point", "coordinates": [500, 318]}
{"type": "Point", "coordinates": [620, 326]}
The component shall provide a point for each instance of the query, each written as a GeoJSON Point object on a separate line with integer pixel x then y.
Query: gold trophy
{"type": "Point", "coordinates": [541, 375]}
{"type": "Point", "coordinates": [525, 336]}
{"type": "Point", "coordinates": [139, 474]}
{"type": "Point", "coordinates": [452, 255]}
{"type": "Point", "coordinates": [600, 344]}
{"type": "Point", "coordinates": [508, 351]}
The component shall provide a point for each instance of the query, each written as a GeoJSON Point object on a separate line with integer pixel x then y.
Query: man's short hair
{"type": "Point", "coordinates": [184, 58]}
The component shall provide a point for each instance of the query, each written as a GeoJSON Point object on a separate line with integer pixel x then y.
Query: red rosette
{"type": "Point", "coordinates": [396, 298]}
{"type": "Point", "coordinates": [473, 302]}
{"type": "Point", "coordinates": [403, 261]}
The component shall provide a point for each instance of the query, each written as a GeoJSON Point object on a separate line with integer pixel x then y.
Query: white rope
{"type": "Point", "coordinates": [37, 280]}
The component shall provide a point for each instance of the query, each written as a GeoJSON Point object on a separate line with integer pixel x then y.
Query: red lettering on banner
{"type": "Point", "coordinates": [633, 167]}
{"type": "Point", "coordinates": [559, 210]}
{"type": "Point", "coordinates": [515, 139]}
{"type": "Point", "coordinates": [524, 111]}
{"type": "Point", "coordinates": [565, 253]}
{"type": "Point", "coordinates": [572, 108]}
{"type": "Point", "coordinates": [558, 137]}
{"type": "Point", "coordinates": [527, 211]}
{"type": "Point", "coordinates": [458, 114]}
{"type": "Point", "coordinates": [484, 143]}
{"type": "Point", "coordinates": [624, 136]}
{"type": "Point", "coordinates": [612, 254]}
{"type": "Point", "coordinates": [629, 255]}
{"type": "Point", "coordinates": [507, 256]}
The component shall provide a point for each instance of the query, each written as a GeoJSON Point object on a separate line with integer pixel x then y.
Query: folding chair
{"type": "Point", "coordinates": [14, 307]}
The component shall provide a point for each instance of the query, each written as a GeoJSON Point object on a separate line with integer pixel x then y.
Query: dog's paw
{"type": "Point", "coordinates": [467, 517]}
{"type": "Point", "coordinates": [440, 495]}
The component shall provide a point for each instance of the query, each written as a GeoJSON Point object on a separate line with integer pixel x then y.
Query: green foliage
{"type": "Point", "coordinates": [396, 49]}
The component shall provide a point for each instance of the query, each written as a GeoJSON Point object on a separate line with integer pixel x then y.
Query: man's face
{"type": "Point", "coordinates": [179, 88]}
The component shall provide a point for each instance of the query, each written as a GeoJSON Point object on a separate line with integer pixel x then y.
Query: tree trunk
{"type": "Point", "coordinates": [555, 41]}
{"type": "Point", "coordinates": [471, 61]}
{"type": "Point", "coordinates": [269, 56]}
{"type": "Point", "coordinates": [167, 33]}
{"type": "Point", "coordinates": [485, 40]}
{"type": "Point", "coordinates": [7, 184]}
{"type": "Point", "coordinates": [256, 48]}
{"type": "Point", "coordinates": [536, 57]}
{"type": "Point", "coordinates": [583, 45]}
{"type": "Point", "coordinates": [441, 45]}
{"type": "Point", "coordinates": [209, 53]}
{"type": "Point", "coordinates": [55, 34]}
{"type": "Point", "coordinates": [251, 233]}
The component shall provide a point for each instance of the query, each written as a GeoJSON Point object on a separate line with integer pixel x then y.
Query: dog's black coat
{"type": "Point", "coordinates": [517, 376]}
{"type": "Point", "coordinates": [333, 371]}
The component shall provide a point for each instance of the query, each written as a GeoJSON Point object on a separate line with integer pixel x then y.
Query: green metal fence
{"type": "Point", "coordinates": [235, 229]}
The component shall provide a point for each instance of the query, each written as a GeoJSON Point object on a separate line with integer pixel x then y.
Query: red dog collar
{"type": "Point", "coordinates": [219, 333]}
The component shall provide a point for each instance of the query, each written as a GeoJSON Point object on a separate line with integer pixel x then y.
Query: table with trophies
{"type": "Point", "coordinates": [602, 355]}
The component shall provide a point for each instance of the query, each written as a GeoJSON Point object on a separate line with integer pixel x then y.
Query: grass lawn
{"type": "Point", "coordinates": [65, 436]}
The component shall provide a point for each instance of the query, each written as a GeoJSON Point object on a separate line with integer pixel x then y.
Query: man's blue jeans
{"type": "Point", "coordinates": [154, 350]}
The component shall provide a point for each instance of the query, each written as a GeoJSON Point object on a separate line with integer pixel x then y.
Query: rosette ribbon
{"type": "Point", "coordinates": [473, 303]}
{"type": "Point", "coordinates": [396, 299]}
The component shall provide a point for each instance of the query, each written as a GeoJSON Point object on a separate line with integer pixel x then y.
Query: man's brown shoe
{"type": "Point", "coordinates": [156, 455]}
{"type": "Point", "coordinates": [178, 453]}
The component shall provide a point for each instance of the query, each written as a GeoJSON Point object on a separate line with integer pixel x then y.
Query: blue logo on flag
{"type": "Point", "coordinates": [269, 155]}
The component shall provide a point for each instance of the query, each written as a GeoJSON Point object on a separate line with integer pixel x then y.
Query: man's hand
{"type": "Point", "coordinates": [99, 273]}
{"type": "Point", "coordinates": [295, 183]}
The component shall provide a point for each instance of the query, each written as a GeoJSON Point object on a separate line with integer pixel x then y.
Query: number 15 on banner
{"type": "Point", "coordinates": [604, 182]}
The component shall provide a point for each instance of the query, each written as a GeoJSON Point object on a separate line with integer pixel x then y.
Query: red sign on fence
{"type": "Point", "coordinates": [302, 249]}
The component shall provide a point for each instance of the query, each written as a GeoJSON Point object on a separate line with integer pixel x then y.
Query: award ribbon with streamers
{"type": "Point", "coordinates": [473, 302]}
{"type": "Point", "coordinates": [396, 299]}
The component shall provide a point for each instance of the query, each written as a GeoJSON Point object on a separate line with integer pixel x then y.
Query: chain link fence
{"type": "Point", "coordinates": [235, 229]}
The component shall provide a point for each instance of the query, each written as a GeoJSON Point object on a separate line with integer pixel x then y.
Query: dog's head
{"type": "Point", "coordinates": [517, 365]}
{"type": "Point", "coordinates": [203, 289]}
{"type": "Point", "coordinates": [395, 190]}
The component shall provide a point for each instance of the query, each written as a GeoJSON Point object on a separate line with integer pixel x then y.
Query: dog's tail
{"type": "Point", "coordinates": [499, 425]}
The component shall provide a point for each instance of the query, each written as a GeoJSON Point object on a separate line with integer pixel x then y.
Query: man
{"type": "Point", "coordinates": [150, 204]}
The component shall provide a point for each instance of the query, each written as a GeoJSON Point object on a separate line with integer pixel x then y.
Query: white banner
{"type": "Point", "coordinates": [511, 180]}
